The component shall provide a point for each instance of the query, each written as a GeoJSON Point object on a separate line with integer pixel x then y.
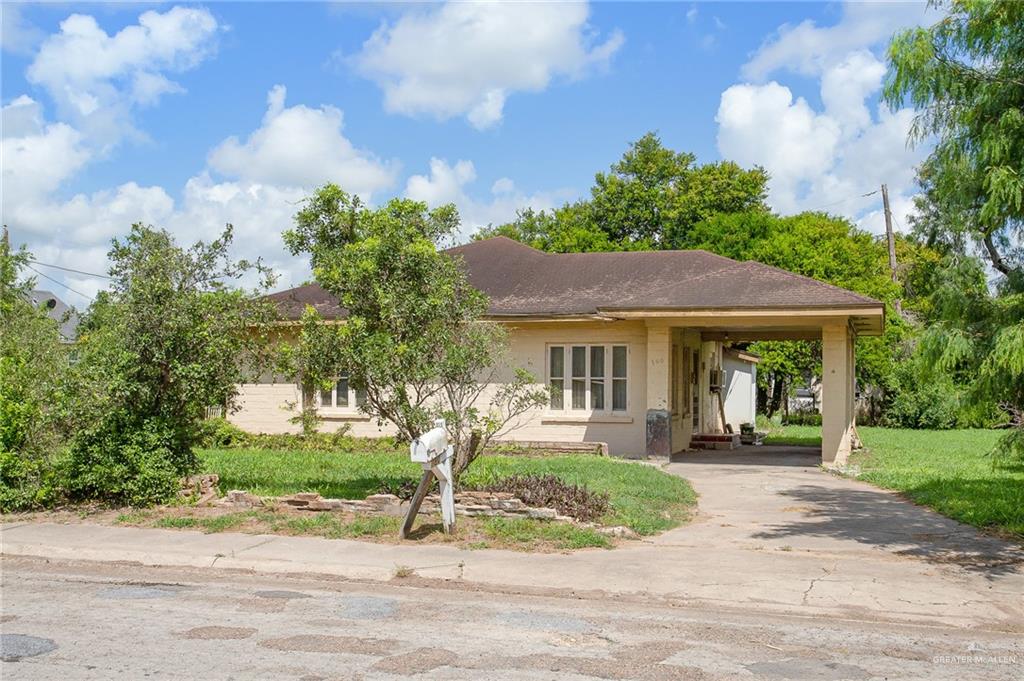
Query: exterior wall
{"type": "Point", "coordinates": [264, 407]}
{"type": "Point", "coordinates": [623, 433]}
{"type": "Point", "coordinates": [740, 392]}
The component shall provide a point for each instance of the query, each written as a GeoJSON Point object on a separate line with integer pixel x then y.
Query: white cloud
{"type": "Point", "coordinates": [302, 147]}
{"type": "Point", "coordinates": [824, 159]}
{"type": "Point", "coordinates": [17, 35]}
{"type": "Point", "coordinates": [267, 175]}
{"type": "Point", "coordinates": [96, 79]}
{"type": "Point", "coordinates": [36, 156]}
{"type": "Point", "coordinates": [465, 59]}
{"type": "Point", "coordinates": [809, 49]}
{"type": "Point", "coordinates": [828, 158]}
{"type": "Point", "coordinates": [448, 183]}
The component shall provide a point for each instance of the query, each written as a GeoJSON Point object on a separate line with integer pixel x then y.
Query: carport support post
{"type": "Point", "coordinates": [659, 386]}
{"type": "Point", "coordinates": [837, 414]}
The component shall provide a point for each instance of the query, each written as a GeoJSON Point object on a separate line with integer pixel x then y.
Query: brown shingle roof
{"type": "Point", "coordinates": [522, 281]}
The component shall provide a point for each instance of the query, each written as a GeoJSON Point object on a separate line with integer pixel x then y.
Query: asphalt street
{"type": "Point", "coordinates": [77, 620]}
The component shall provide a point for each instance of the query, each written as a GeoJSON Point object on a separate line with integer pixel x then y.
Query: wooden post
{"type": "Point", "coordinates": [416, 502]}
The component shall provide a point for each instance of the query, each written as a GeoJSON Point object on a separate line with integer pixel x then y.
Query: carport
{"type": "Point", "coordinates": [836, 326]}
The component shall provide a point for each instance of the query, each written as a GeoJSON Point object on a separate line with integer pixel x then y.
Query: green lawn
{"type": "Point", "coordinates": [950, 471]}
{"type": "Point", "coordinates": [642, 497]}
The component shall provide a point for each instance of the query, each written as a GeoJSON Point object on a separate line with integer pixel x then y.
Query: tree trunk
{"type": "Point", "coordinates": [465, 454]}
{"type": "Point", "coordinates": [994, 256]}
{"type": "Point", "coordinates": [776, 400]}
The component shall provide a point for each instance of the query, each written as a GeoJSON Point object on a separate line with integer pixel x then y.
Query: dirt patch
{"type": "Point", "coordinates": [331, 644]}
{"type": "Point", "coordinates": [417, 661]}
{"type": "Point", "coordinates": [214, 633]}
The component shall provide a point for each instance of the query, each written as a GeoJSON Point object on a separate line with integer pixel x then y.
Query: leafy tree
{"type": "Point", "coordinates": [33, 361]}
{"type": "Point", "coordinates": [169, 339]}
{"type": "Point", "coordinates": [965, 76]}
{"type": "Point", "coordinates": [314, 360]}
{"type": "Point", "coordinates": [650, 199]}
{"type": "Point", "coordinates": [415, 339]}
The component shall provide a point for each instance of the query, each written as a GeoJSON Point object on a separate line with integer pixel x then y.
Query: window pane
{"type": "Point", "coordinates": [360, 397]}
{"type": "Point", "coordinates": [579, 394]}
{"type": "Point", "coordinates": [579, 361]}
{"type": "Point", "coordinates": [597, 361]}
{"type": "Point", "coordinates": [619, 361]}
{"type": "Point", "coordinates": [326, 398]}
{"type": "Point", "coordinates": [619, 394]}
{"type": "Point", "coordinates": [557, 394]}
{"type": "Point", "coordinates": [597, 395]}
{"type": "Point", "coordinates": [342, 392]}
{"type": "Point", "coordinates": [557, 363]}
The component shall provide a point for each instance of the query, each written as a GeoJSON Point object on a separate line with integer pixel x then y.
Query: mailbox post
{"type": "Point", "coordinates": [432, 451]}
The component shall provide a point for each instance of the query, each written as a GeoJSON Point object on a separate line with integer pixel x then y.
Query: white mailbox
{"type": "Point", "coordinates": [431, 445]}
{"type": "Point", "coordinates": [432, 451]}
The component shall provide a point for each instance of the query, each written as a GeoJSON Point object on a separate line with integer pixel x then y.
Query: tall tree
{"type": "Point", "coordinates": [169, 339]}
{"type": "Point", "coordinates": [650, 199]}
{"type": "Point", "coordinates": [415, 338]}
{"type": "Point", "coordinates": [965, 77]}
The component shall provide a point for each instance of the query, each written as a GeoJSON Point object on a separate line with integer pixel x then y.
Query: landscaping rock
{"type": "Point", "coordinates": [237, 497]}
{"type": "Point", "coordinates": [619, 531]}
{"type": "Point", "coordinates": [472, 503]}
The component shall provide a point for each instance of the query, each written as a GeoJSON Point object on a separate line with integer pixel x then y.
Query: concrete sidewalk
{"type": "Point", "coordinates": [774, 533]}
{"type": "Point", "coordinates": [851, 587]}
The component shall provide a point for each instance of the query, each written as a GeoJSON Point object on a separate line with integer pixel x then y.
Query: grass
{"type": "Point", "coordinates": [524, 531]}
{"type": "Point", "coordinates": [950, 471]}
{"type": "Point", "coordinates": [642, 497]}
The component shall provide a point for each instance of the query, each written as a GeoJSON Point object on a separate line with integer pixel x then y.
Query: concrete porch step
{"type": "Point", "coordinates": [715, 440]}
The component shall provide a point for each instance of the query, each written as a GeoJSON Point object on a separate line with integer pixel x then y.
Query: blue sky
{"type": "Point", "coordinates": [190, 115]}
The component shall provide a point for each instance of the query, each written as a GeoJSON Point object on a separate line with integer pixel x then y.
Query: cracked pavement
{"type": "Point", "coordinates": [79, 620]}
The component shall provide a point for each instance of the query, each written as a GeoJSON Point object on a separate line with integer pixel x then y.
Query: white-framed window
{"type": "Point", "coordinates": [588, 377]}
{"type": "Point", "coordinates": [342, 395]}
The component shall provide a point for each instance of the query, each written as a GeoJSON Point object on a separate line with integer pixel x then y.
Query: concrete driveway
{"type": "Point", "coordinates": [779, 498]}
{"type": "Point", "coordinates": [858, 547]}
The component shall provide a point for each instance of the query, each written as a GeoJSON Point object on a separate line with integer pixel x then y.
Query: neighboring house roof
{"type": "Point", "coordinates": [59, 311]}
{"type": "Point", "coordinates": [522, 281]}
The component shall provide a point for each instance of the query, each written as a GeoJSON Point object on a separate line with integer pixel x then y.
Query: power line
{"type": "Point", "coordinates": [69, 269]}
{"type": "Point", "coordinates": [847, 199]}
{"type": "Point", "coordinates": [59, 283]}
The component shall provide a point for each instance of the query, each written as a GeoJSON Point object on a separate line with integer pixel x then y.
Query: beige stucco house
{"type": "Point", "coordinates": [633, 344]}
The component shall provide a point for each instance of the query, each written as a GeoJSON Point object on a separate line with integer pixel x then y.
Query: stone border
{"type": "Point", "coordinates": [470, 503]}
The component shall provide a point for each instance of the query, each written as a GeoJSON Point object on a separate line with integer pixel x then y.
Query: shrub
{"type": "Point", "coordinates": [168, 338]}
{"type": "Point", "coordinates": [33, 365]}
{"type": "Point", "coordinates": [550, 491]}
{"type": "Point", "coordinates": [802, 418]}
{"type": "Point", "coordinates": [121, 464]}
{"type": "Point", "coordinates": [219, 433]}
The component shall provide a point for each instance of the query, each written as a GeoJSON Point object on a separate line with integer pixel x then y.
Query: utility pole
{"type": "Point", "coordinates": [891, 240]}
{"type": "Point", "coordinates": [888, 232]}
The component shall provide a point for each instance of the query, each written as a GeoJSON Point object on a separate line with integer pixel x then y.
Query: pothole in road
{"type": "Point", "coordinates": [543, 622]}
{"type": "Point", "coordinates": [14, 647]}
{"type": "Point", "coordinates": [810, 670]}
{"type": "Point", "coordinates": [133, 592]}
{"type": "Point", "coordinates": [368, 607]}
{"type": "Point", "coordinates": [286, 595]}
